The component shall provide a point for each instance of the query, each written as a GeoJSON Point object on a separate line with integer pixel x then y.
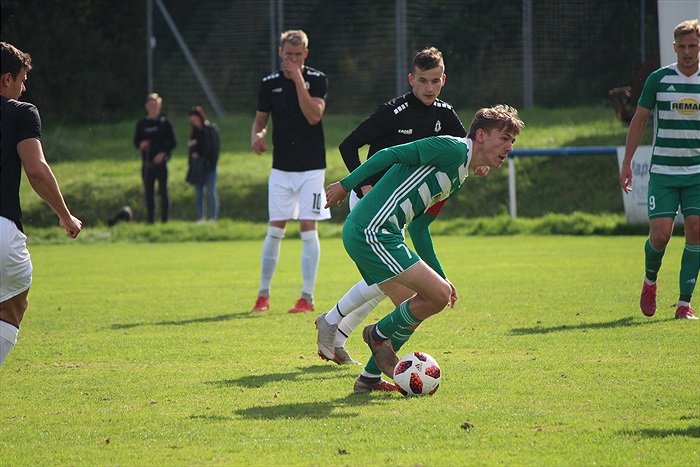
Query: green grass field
{"type": "Point", "coordinates": [147, 354]}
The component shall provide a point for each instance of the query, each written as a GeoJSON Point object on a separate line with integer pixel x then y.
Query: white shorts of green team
{"type": "Point", "coordinates": [15, 263]}
{"type": "Point", "coordinates": [297, 195]}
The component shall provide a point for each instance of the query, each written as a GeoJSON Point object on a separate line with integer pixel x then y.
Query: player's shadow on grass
{"type": "Point", "coordinates": [184, 322]}
{"type": "Point", "coordinates": [315, 410]}
{"type": "Point", "coordinates": [691, 432]}
{"type": "Point", "coordinates": [301, 374]}
{"type": "Point", "coordinates": [307, 410]}
{"type": "Point", "coordinates": [622, 322]}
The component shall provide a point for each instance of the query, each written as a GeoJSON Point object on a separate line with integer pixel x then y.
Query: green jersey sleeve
{"type": "Point", "coordinates": [401, 154]}
{"type": "Point", "coordinates": [647, 99]}
{"type": "Point", "coordinates": [419, 230]}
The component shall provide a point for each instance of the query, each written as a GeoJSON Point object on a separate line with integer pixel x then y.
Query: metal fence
{"type": "Point", "coordinates": [528, 52]}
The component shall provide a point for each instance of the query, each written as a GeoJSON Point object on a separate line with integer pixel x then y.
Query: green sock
{"type": "Point", "coordinates": [400, 318]}
{"type": "Point", "coordinates": [690, 263]}
{"type": "Point", "coordinates": [371, 368]}
{"type": "Point", "coordinates": [652, 261]}
{"type": "Point", "coordinates": [397, 341]}
{"type": "Point", "coordinates": [399, 338]}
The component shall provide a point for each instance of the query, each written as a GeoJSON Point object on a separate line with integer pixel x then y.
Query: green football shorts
{"type": "Point", "coordinates": [667, 192]}
{"type": "Point", "coordinates": [379, 255]}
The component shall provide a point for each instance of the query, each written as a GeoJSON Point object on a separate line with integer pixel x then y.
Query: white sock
{"type": "Point", "coordinates": [310, 255]}
{"type": "Point", "coordinates": [354, 319]}
{"type": "Point", "coordinates": [8, 339]}
{"type": "Point", "coordinates": [270, 256]}
{"type": "Point", "coordinates": [358, 295]}
{"type": "Point", "coordinates": [370, 375]}
{"type": "Point", "coordinates": [352, 299]}
{"type": "Point", "coordinates": [370, 291]}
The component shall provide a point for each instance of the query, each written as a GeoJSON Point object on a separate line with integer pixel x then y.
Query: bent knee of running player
{"type": "Point", "coordinates": [433, 293]}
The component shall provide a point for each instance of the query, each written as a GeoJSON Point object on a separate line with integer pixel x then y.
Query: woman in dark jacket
{"type": "Point", "coordinates": [203, 157]}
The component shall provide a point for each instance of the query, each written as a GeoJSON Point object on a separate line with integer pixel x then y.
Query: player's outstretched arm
{"type": "Point", "coordinates": [375, 128]}
{"type": "Point", "coordinates": [44, 182]}
{"type": "Point", "coordinates": [419, 230]}
{"type": "Point", "coordinates": [381, 160]}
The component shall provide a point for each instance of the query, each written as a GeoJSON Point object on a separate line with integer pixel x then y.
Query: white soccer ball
{"type": "Point", "coordinates": [417, 374]}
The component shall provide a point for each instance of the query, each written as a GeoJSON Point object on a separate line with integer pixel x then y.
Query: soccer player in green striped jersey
{"type": "Point", "coordinates": [674, 177]}
{"type": "Point", "coordinates": [417, 114]}
{"type": "Point", "coordinates": [423, 175]}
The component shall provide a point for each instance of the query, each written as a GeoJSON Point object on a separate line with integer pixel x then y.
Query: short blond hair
{"type": "Point", "coordinates": [294, 37]}
{"type": "Point", "coordinates": [499, 117]}
{"type": "Point", "coordinates": [690, 26]}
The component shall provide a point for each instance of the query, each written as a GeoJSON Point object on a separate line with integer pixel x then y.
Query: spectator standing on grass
{"type": "Point", "coordinates": [155, 138]}
{"type": "Point", "coordinates": [295, 98]}
{"type": "Point", "coordinates": [422, 175]}
{"type": "Point", "coordinates": [412, 116]}
{"type": "Point", "coordinates": [20, 148]}
{"type": "Point", "coordinates": [203, 157]}
{"type": "Point", "coordinates": [674, 175]}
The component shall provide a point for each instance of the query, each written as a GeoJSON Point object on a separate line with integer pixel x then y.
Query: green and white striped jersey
{"type": "Point", "coordinates": [676, 101]}
{"type": "Point", "coordinates": [422, 174]}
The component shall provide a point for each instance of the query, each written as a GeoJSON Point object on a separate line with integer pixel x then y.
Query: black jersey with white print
{"type": "Point", "coordinates": [401, 120]}
{"type": "Point", "coordinates": [20, 121]}
{"type": "Point", "coordinates": [298, 146]}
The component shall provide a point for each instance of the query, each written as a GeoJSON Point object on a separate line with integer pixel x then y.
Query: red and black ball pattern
{"type": "Point", "coordinates": [417, 373]}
